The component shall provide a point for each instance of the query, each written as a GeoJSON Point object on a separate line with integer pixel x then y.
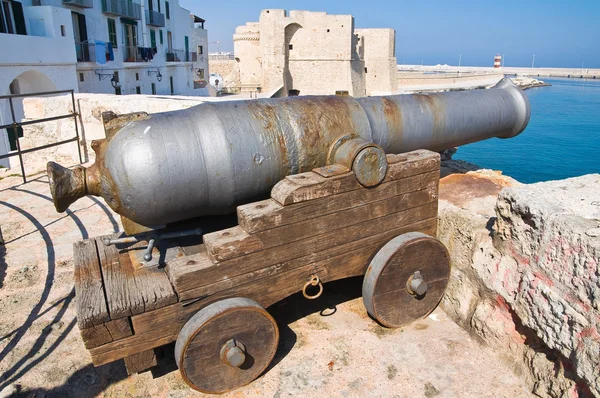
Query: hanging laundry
{"type": "Point", "coordinates": [110, 55]}
{"type": "Point", "coordinates": [100, 52]}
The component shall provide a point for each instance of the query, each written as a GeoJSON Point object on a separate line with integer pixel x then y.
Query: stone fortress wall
{"type": "Point", "coordinates": [311, 52]}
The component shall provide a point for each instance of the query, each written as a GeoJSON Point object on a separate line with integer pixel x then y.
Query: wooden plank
{"type": "Point", "coordinates": [90, 300]}
{"type": "Point", "coordinates": [345, 218]}
{"type": "Point", "coordinates": [268, 214]}
{"type": "Point", "coordinates": [331, 170]}
{"type": "Point", "coordinates": [350, 247]}
{"type": "Point", "coordinates": [106, 332]}
{"type": "Point", "coordinates": [131, 290]}
{"type": "Point", "coordinates": [230, 243]}
{"type": "Point", "coordinates": [156, 328]}
{"type": "Point", "coordinates": [140, 362]}
{"type": "Point", "coordinates": [192, 277]}
{"type": "Point", "coordinates": [309, 186]}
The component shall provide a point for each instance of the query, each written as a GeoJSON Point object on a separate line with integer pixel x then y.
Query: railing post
{"type": "Point", "coordinates": [14, 119]}
{"type": "Point", "coordinates": [76, 127]}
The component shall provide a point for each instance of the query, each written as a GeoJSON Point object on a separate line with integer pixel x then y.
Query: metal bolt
{"type": "Point", "coordinates": [417, 284]}
{"type": "Point", "coordinates": [233, 353]}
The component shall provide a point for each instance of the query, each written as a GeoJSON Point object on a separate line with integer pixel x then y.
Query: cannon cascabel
{"type": "Point", "coordinates": [205, 160]}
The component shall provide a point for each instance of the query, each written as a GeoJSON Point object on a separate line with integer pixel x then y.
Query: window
{"type": "Point", "coordinates": [152, 38]}
{"type": "Point", "coordinates": [137, 76]}
{"type": "Point", "coordinates": [172, 85]}
{"type": "Point", "coordinates": [160, 35]}
{"type": "Point", "coordinates": [290, 46]}
{"type": "Point", "coordinates": [80, 76]}
{"type": "Point", "coordinates": [63, 30]}
{"type": "Point", "coordinates": [167, 10]}
{"type": "Point", "coordinates": [138, 90]}
{"type": "Point", "coordinates": [158, 5]}
{"type": "Point", "coordinates": [365, 70]}
{"type": "Point", "coordinates": [112, 32]}
{"type": "Point", "coordinates": [7, 23]}
{"type": "Point", "coordinates": [200, 50]}
{"type": "Point", "coordinates": [201, 73]}
{"type": "Point", "coordinates": [153, 88]}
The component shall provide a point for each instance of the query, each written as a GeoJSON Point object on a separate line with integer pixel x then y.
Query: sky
{"type": "Point", "coordinates": [559, 33]}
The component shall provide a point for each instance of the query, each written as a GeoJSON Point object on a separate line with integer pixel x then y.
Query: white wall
{"type": "Point", "coordinates": [38, 63]}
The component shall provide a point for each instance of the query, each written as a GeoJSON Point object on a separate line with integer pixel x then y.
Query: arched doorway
{"type": "Point", "coordinates": [31, 81]}
{"type": "Point", "coordinates": [290, 32]}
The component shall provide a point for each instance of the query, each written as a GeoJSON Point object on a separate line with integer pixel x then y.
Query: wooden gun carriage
{"type": "Point", "coordinates": [210, 296]}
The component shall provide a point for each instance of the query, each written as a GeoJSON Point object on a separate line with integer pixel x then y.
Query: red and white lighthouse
{"type": "Point", "coordinates": [497, 61]}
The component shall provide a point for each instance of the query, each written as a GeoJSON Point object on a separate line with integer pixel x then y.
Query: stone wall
{"type": "Point", "coordinates": [313, 53]}
{"type": "Point", "coordinates": [525, 277]}
{"type": "Point", "coordinates": [230, 71]}
{"type": "Point", "coordinates": [378, 47]}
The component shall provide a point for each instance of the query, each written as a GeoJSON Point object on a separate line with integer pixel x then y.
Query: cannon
{"type": "Point", "coordinates": [323, 189]}
{"type": "Point", "coordinates": [158, 169]}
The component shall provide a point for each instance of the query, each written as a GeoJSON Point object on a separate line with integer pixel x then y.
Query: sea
{"type": "Point", "coordinates": [562, 139]}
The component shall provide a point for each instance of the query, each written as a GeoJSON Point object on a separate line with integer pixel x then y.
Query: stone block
{"type": "Point", "coordinates": [525, 274]}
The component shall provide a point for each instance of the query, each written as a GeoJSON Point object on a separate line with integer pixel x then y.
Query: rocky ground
{"type": "Point", "coordinates": [329, 347]}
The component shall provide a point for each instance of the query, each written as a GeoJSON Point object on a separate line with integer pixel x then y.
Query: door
{"type": "Point", "coordinates": [130, 42]}
{"type": "Point", "coordinates": [187, 49]}
{"type": "Point", "coordinates": [81, 37]}
{"type": "Point", "coordinates": [169, 42]}
{"type": "Point", "coordinates": [152, 38]}
{"type": "Point", "coordinates": [171, 82]}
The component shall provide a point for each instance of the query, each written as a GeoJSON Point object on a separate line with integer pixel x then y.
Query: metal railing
{"type": "Point", "coordinates": [79, 3]}
{"type": "Point", "coordinates": [176, 55]}
{"type": "Point", "coordinates": [221, 56]}
{"type": "Point", "coordinates": [86, 52]}
{"type": "Point", "coordinates": [122, 8]}
{"type": "Point", "coordinates": [18, 126]}
{"type": "Point", "coordinates": [155, 18]}
{"type": "Point", "coordinates": [138, 54]}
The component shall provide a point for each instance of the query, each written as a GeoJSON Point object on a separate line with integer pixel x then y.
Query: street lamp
{"type": "Point", "coordinates": [533, 61]}
{"type": "Point", "coordinates": [157, 73]}
{"type": "Point", "coordinates": [114, 81]}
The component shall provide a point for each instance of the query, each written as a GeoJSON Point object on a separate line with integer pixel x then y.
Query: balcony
{"type": "Point", "coordinates": [155, 18]}
{"type": "Point", "coordinates": [138, 54]}
{"type": "Point", "coordinates": [177, 56]}
{"type": "Point", "coordinates": [86, 52]}
{"type": "Point", "coordinates": [79, 3]}
{"type": "Point", "coordinates": [122, 8]}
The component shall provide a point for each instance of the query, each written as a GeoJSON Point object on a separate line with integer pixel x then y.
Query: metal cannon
{"type": "Point", "coordinates": [339, 207]}
{"type": "Point", "coordinates": [206, 160]}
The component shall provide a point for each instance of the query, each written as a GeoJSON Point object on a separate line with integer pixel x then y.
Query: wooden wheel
{"type": "Point", "coordinates": [406, 279]}
{"type": "Point", "coordinates": [226, 345]}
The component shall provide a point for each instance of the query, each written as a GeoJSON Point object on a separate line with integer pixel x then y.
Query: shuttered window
{"type": "Point", "coordinates": [112, 32]}
{"type": "Point", "coordinates": [160, 35]}
{"type": "Point", "coordinates": [167, 10]}
{"type": "Point", "coordinates": [152, 38]}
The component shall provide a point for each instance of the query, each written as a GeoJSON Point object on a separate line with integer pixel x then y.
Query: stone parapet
{"type": "Point", "coordinates": [525, 274]}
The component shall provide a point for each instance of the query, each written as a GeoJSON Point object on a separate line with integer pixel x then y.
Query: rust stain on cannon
{"type": "Point", "coordinates": [322, 121]}
{"type": "Point", "coordinates": [393, 118]}
{"type": "Point", "coordinates": [267, 114]}
{"type": "Point", "coordinates": [438, 110]}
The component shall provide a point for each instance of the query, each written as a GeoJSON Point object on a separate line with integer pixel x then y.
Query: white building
{"type": "Point", "coordinates": [99, 46]}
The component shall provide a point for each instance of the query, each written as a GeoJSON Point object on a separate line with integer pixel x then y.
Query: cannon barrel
{"type": "Point", "coordinates": [205, 160]}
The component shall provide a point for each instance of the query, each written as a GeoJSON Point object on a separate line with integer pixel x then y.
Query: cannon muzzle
{"type": "Point", "coordinates": [66, 186]}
